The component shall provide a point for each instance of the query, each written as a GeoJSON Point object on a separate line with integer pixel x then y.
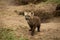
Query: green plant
{"type": "Point", "coordinates": [22, 38]}
{"type": "Point", "coordinates": [8, 34]}
{"type": "Point", "coordinates": [54, 1]}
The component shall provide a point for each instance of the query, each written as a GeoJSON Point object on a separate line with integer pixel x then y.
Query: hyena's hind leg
{"type": "Point", "coordinates": [38, 28]}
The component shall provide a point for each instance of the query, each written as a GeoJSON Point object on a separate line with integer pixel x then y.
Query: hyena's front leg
{"type": "Point", "coordinates": [30, 27]}
{"type": "Point", "coordinates": [33, 30]}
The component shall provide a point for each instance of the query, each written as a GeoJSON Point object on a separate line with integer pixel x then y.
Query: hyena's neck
{"type": "Point", "coordinates": [31, 17]}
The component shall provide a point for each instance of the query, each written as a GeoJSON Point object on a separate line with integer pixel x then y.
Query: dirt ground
{"type": "Point", "coordinates": [9, 19]}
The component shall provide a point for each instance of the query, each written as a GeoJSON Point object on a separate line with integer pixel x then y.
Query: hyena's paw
{"type": "Point", "coordinates": [38, 30]}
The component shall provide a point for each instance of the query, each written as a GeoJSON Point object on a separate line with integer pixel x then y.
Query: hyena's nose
{"type": "Point", "coordinates": [27, 17]}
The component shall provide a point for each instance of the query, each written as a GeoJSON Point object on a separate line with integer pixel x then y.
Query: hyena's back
{"type": "Point", "coordinates": [35, 21]}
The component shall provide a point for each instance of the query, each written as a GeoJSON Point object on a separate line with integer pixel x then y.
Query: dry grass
{"type": "Point", "coordinates": [9, 19]}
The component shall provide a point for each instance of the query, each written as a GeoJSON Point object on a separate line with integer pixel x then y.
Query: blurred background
{"type": "Point", "coordinates": [14, 26]}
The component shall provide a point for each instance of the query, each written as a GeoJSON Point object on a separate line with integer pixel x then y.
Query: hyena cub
{"type": "Point", "coordinates": [33, 21]}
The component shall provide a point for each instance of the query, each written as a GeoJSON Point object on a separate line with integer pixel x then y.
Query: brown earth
{"type": "Point", "coordinates": [10, 19]}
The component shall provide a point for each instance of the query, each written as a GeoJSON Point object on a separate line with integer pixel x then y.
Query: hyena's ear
{"type": "Point", "coordinates": [25, 13]}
